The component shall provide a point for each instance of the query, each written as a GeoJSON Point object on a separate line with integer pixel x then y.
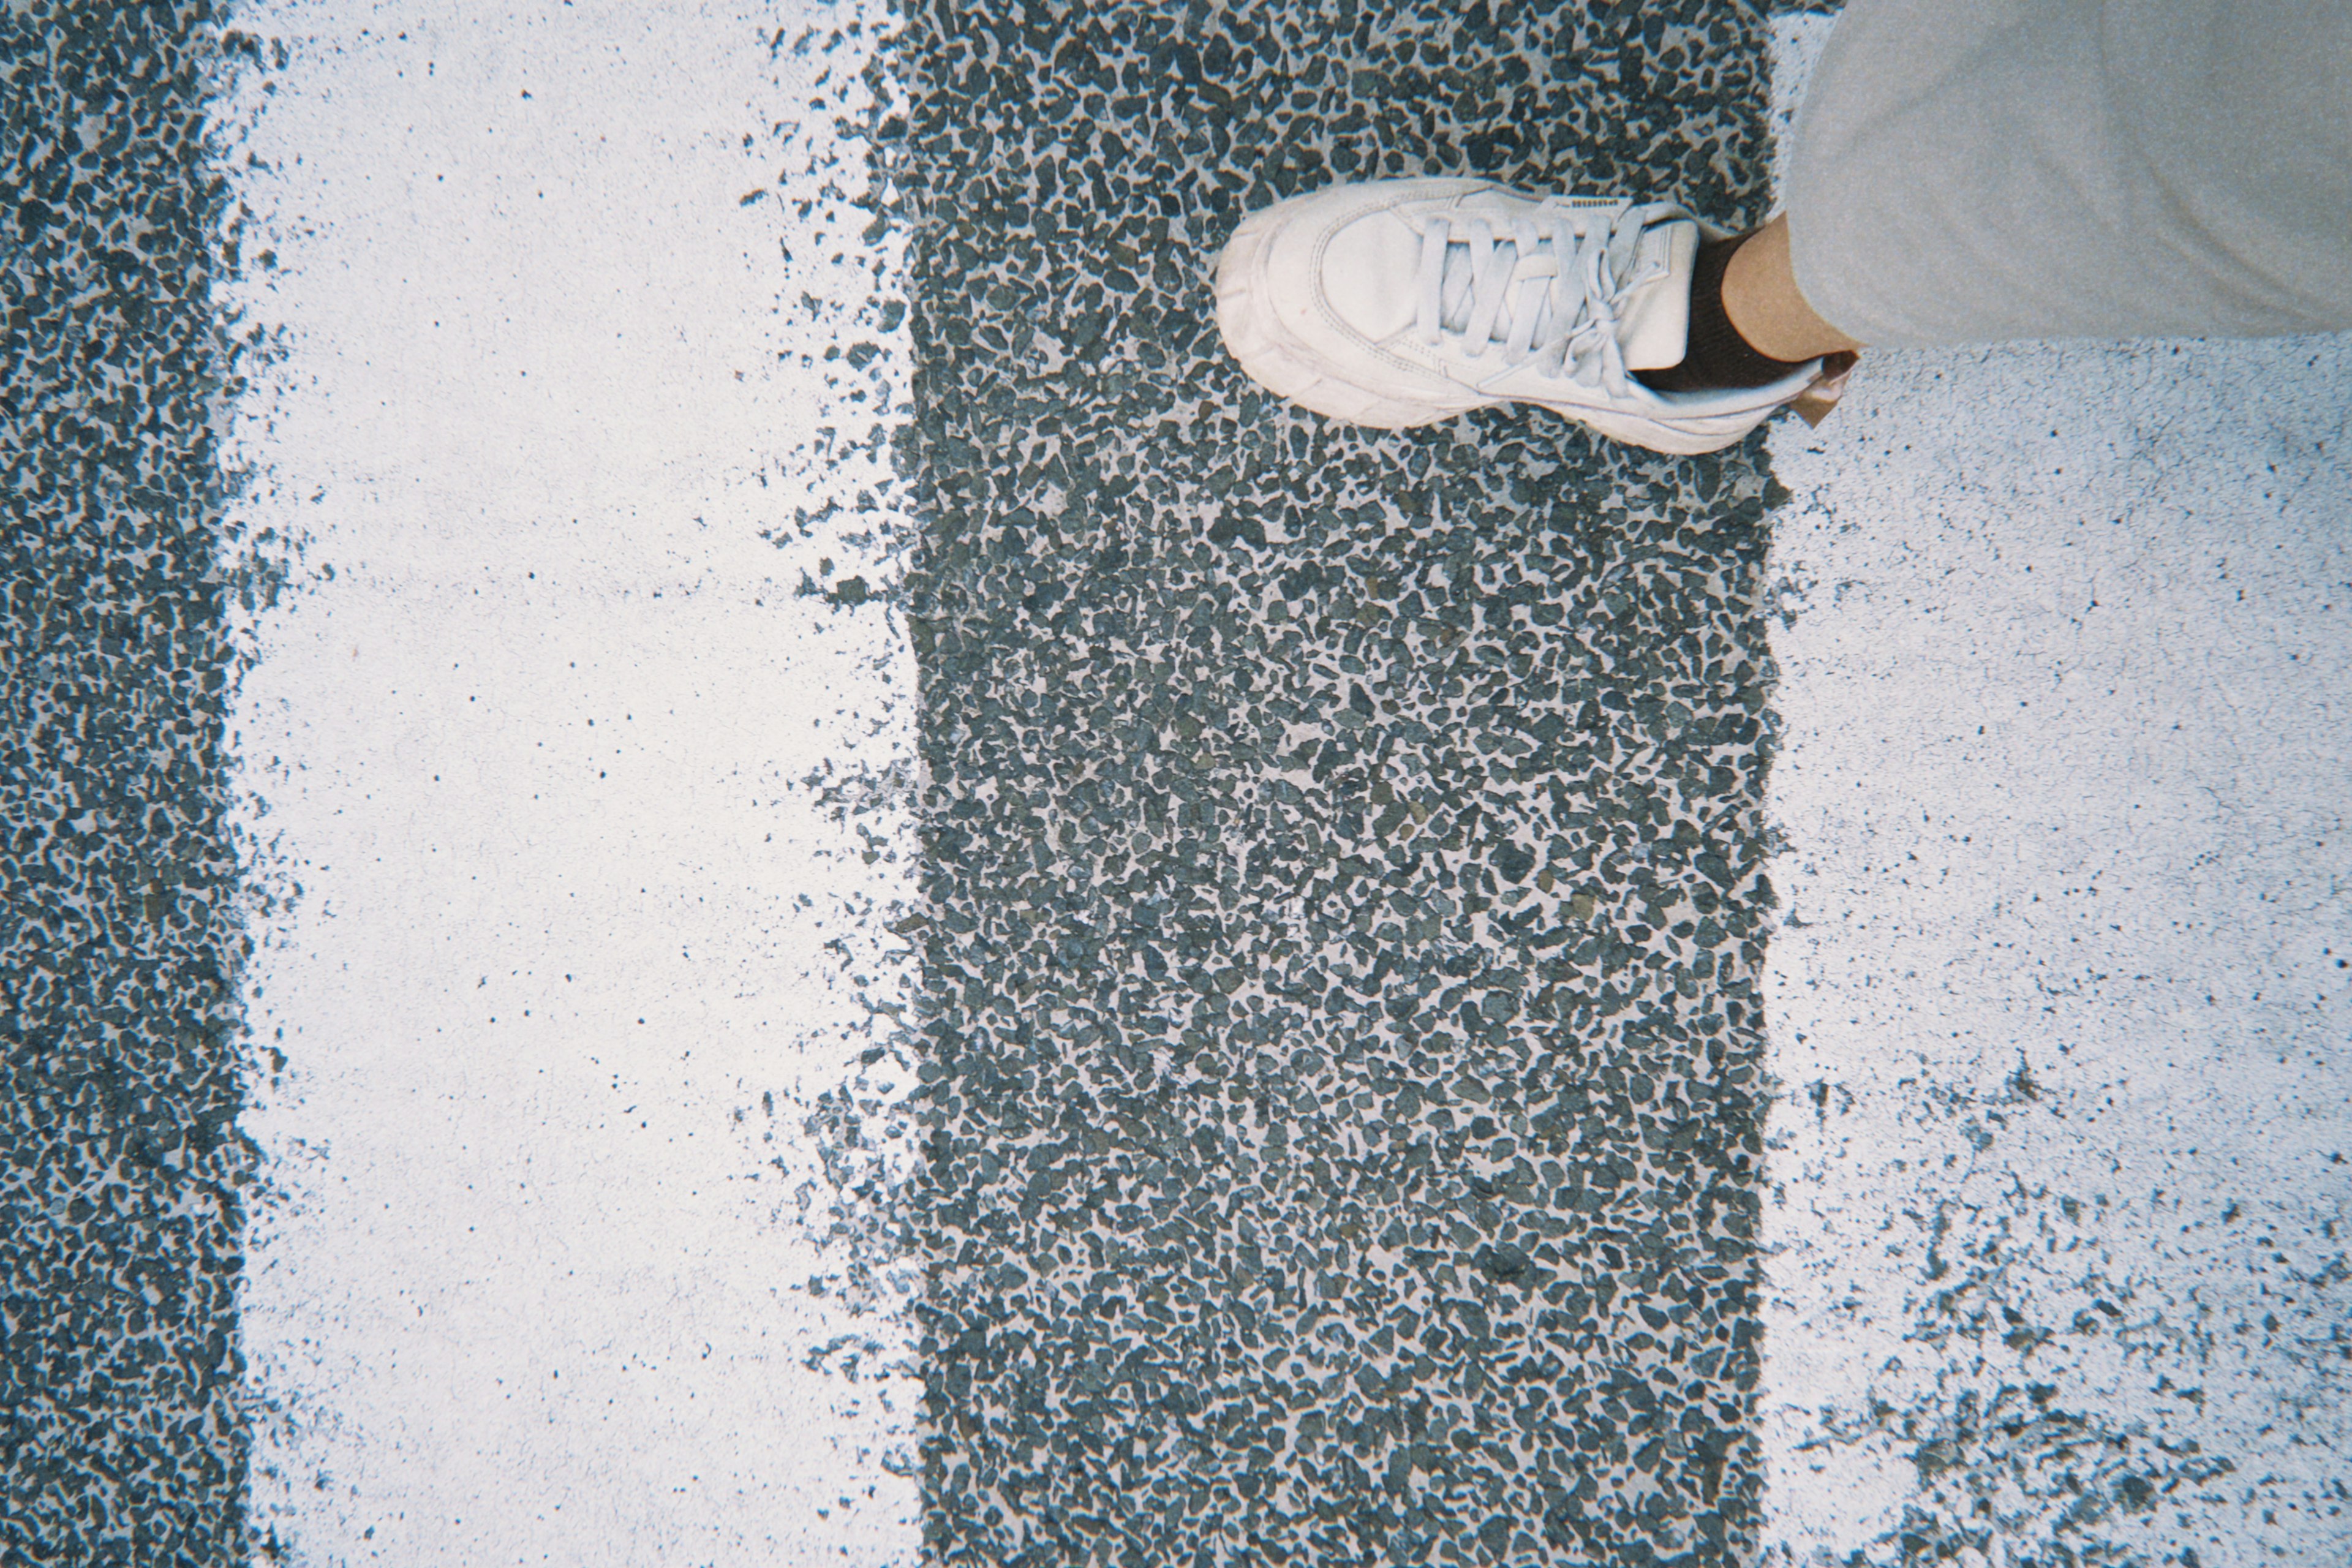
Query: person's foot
{"type": "Point", "coordinates": [1404, 303]}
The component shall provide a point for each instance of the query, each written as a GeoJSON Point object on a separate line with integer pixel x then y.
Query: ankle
{"type": "Point", "coordinates": [1764, 306]}
{"type": "Point", "coordinates": [1717, 356]}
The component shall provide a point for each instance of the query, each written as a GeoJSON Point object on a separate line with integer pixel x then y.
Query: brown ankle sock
{"type": "Point", "coordinates": [1716, 358]}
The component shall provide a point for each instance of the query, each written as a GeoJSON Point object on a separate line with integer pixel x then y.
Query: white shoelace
{"type": "Point", "coordinates": [1544, 287]}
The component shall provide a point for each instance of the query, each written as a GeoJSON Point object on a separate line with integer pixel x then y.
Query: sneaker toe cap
{"type": "Point", "coordinates": [1370, 268]}
{"type": "Point", "coordinates": [1311, 288]}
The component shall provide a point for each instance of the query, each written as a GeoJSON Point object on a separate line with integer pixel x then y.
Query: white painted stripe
{"type": "Point", "coordinates": [573, 947]}
{"type": "Point", "coordinates": [2059, 1003]}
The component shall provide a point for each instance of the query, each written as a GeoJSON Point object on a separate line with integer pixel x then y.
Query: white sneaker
{"type": "Point", "coordinates": [1403, 302]}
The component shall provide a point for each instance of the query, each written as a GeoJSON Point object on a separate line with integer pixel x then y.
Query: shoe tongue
{"type": "Point", "coordinates": [1653, 315]}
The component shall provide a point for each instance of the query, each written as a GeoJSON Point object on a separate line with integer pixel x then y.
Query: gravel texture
{"type": "Point", "coordinates": [1343, 848]}
{"type": "Point", "coordinates": [119, 1208]}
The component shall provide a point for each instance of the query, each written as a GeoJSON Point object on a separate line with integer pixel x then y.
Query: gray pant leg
{"type": "Point", "coordinates": [1966, 171]}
